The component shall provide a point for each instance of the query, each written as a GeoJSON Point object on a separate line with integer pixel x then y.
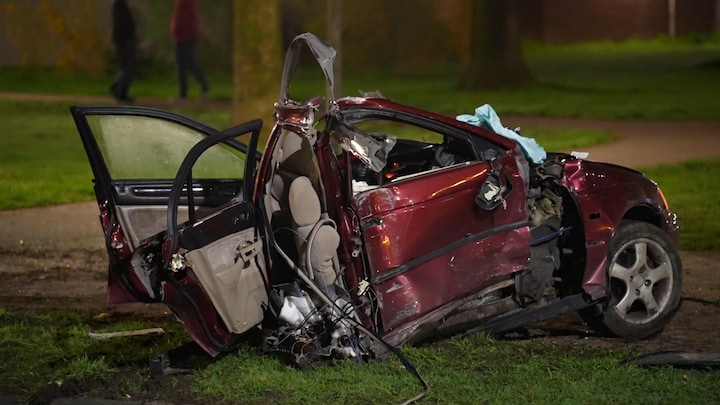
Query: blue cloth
{"type": "Point", "coordinates": [486, 115]}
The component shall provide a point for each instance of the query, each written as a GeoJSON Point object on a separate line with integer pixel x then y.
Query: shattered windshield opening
{"type": "Point", "coordinates": [371, 148]}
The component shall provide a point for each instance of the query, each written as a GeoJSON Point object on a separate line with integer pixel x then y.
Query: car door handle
{"type": "Point", "coordinates": [372, 222]}
{"type": "Point", "coordinates": [162, 191]}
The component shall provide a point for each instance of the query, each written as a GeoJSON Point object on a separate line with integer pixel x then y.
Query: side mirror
{"type": "Point", "coordinates": [493, 191]}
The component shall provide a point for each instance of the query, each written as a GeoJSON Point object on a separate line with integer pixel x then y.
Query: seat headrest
{"type": "Point", "coordinates": [291, 143]}
{"type": "Point", "coordinates": [304, 202]}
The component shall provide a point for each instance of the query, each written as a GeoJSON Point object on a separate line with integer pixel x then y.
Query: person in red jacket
{"type": "Point", "coordinates": [185, 30]}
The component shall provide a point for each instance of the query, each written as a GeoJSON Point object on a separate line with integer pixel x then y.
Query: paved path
{"type": "Point", "coordinates": [639, 144]}
{"type": "Point", "coordinates": [55, 228]}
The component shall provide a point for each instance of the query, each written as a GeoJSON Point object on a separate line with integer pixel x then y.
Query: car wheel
{"type": "Point", "coordinates": [645, 276]}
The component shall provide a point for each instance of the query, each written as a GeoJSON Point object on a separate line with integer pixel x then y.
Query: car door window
{"type": "Point", "coordinates": [138, 147]}
{"type": "Point", "coordinates": [136, 152]}
{"type": "Point", "coordinates": [418, 150]}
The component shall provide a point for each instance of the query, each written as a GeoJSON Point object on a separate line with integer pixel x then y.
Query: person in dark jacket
{"type": "Point", "coordinates": [123, 36]}
{"type": "Point", "coordinates": [185, 30]}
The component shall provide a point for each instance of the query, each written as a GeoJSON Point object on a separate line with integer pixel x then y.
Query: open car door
{"type": "Point", "coordinates": [175, 199]}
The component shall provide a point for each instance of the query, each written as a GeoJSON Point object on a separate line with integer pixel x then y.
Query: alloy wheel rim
{"type": "Point", "coordinates": [641, 278]}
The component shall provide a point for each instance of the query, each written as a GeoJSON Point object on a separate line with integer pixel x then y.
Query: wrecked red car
{"type": "Point", "coordinates": [369, 226]}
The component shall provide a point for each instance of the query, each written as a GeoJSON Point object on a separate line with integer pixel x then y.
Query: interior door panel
{"type": "Point", "coordinates": [142, 206]}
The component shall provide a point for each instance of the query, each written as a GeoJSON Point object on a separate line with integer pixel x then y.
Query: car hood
{"type": "Point", "coordinates": [608, 174]}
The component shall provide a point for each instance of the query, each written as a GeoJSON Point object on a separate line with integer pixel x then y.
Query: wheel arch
{"type": "Point", "coordinates": [643, 213]}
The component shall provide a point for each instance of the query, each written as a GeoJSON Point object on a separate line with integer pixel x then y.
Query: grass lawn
{"type": "Point", "coordinates": [471, 370]}
{"type": "Point", "coordinates": [42, 160]}
{"type": "Point", "coordinates": [692, 192]}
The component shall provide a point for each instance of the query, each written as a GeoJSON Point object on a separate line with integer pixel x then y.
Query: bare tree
{"type": "Point", "coordinates": [495, 57]}
{"type": "Point", "coordinates": [257, 59]}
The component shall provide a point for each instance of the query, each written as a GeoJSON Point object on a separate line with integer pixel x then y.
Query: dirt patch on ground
{"type": "Point", "coordinates": [76, 279]}
{"type": "Point", "coordinates": [694, 327]}
{"type": "Point", "coordinates": [73, 279]}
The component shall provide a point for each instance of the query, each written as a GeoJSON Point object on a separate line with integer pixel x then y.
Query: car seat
{"type": "Point", "coordinates": [295, 202]}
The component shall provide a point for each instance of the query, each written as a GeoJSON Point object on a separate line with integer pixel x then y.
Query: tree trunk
{"type": "Point", "coordinates": [334, 37]}
{"type": "Point", "coordinates": [495, 59]}
{"type": "Point", "coordinates": [257, 60]}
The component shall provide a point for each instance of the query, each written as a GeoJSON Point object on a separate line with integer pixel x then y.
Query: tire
{"type": "Point", "coordinates": [645, 279]}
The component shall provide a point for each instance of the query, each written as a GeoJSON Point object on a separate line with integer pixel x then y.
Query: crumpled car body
{"type": "Point", "coordinates": [371, 226]}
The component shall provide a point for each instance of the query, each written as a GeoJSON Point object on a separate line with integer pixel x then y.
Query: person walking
{"type": "Point", "coordinates": [185, 30]}
{"type": "Point", "coordinates": [123, 36]}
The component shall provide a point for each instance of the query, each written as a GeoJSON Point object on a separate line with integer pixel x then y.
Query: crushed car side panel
{"type": "Point", "coordinates": [425, 250]}
{"type": "Point", "coordinates": [428, 243]}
